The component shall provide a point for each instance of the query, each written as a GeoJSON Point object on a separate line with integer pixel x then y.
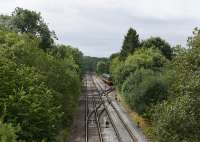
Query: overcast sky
{"type": "Point", "coordinates": [97, 27]}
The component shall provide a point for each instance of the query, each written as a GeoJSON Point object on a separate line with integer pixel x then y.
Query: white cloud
{"type": "Point", "coordinates": [97, 27]}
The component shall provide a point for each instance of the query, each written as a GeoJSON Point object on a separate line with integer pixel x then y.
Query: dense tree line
{"type": "Point", "coordinates": [40, 81]}
{"type": "Point", "coordinates": [90, 64]}
{"type": "Point", "coordinates": [103, 66]}
{"type": "Point", "coordinates": [162, 84]}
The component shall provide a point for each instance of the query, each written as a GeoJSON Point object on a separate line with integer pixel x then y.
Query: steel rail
{"type": "Point", "coordinates": [117, 112]}
{"type": "Point", "coordinates": [108, 114]}
{"type": "Point", "coordinates": [97, 121]}
{"type": "Point", "coordinates": [86, 112]}
{"type": "Point", "coordinates": [88, 115]}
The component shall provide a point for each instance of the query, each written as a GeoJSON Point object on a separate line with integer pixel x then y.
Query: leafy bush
{"type": "Point", "coordinates": [143, 58]}
{"type": "Point", "coordinates": [102, 67]}
{"type": "Point", "coordinates": [116, 68]}
{"type": "Point", "coordinates": [25, 100]}
{"type": "Point", "coordinates": [177, 120]}
{"type": "Point", "coordinates": [147, 59]}
{"type": "Point", "coordinates": [166, 90]}
{"type": "Point", "coordinates": [143, 88]}
{"type": "Point", "coordinates": [39, 90]}
{"type": "Point", "coordinates": [89, 64]}
{"type": "Point", "coordinates": [158, 43]}
{"type": "Point", "coordinates": [8, 132]}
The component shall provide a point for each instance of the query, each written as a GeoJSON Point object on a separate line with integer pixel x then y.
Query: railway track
{"type": "Point", "coordinates": [97, 106]}
{"type": "Point", "coordinates": [92, 124]}
{"type": "Point", "coordinates": [130, 133]}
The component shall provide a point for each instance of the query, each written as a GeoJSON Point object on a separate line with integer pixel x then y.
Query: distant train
{"type": "Point", "coordinates": [107, 79]}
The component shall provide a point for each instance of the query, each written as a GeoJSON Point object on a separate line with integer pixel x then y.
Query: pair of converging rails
{"type": "Point", "coordinates": [96, 102]}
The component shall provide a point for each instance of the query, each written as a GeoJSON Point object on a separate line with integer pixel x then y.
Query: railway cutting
{"type": "Point", "coordinates": [103, 120]}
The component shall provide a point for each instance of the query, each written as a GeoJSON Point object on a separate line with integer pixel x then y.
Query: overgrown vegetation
{"type": "Point", "coordinates": [40, 81]}
{"type": "Point", "coordinates": [103, 66]}
{"type": "Point", "coordinates": [90, 64]}
{"type": "Point", "coordinates": [162, 84]}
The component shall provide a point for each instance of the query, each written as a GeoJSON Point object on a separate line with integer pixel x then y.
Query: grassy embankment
{"type": "Point", "coordinates": [135, 117]}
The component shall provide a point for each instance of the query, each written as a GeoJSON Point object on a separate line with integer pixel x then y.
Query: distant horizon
{"type": "Point", "coordinates": [98, 27]}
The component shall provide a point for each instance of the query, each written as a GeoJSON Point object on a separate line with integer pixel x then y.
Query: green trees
{"type": "Point", "coordinates": [8, 132]}
{"type": "Point", "coordinates": [114, 55]}
{"type": "Point", "coordinates": [177, 119]}
{"type": "Point", "coordinates": [27, 21]}
{"type": "Point", "coordinates": [69, 54]}
{"type": "Point", "coordinates": [5, 22]}
{"type": "Point", "coordinates": [36, 86]}
{"type": "Point", "coordinates": [90, 63]}
{"type": "Point", "coordinates": [194, 41]}
{"type": "Point", "coordinates": [138, 78]}
{"type": "Point", "coordinates": [163, 87]}
{"type": "Point", "coordinates": [157, 42]}
{"type": "Point", "coordinates": [130, 44]}
{"type": "Point", "coordinates": [25, 100]}
{"type": "Point", "coordinates": [102, 67]}
{"type": "Point", "coordinates": [143, 58]}
{"type": "Point", "coordinates": [31, 23]}
{"type": "Point", "coordinates": [142, 89]}
{"type": "Point", "coordinates": [39, 90]}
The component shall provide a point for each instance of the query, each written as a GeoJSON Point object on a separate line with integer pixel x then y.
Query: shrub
{"type": "Point", "coordinates": [8, 132]}
{"type": "Point", "coordinates": [39, 91]}
{"type": "Point", "coordinates": [143, 88]}
{"type": "Point", "coordinates": [143, 58]}
{"type": "Point", "coordinates": [177, 120]}
{"type": "Point", "coordinates": [26, 100]}
{"type": "Point", "coordinates": [102, 67]}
